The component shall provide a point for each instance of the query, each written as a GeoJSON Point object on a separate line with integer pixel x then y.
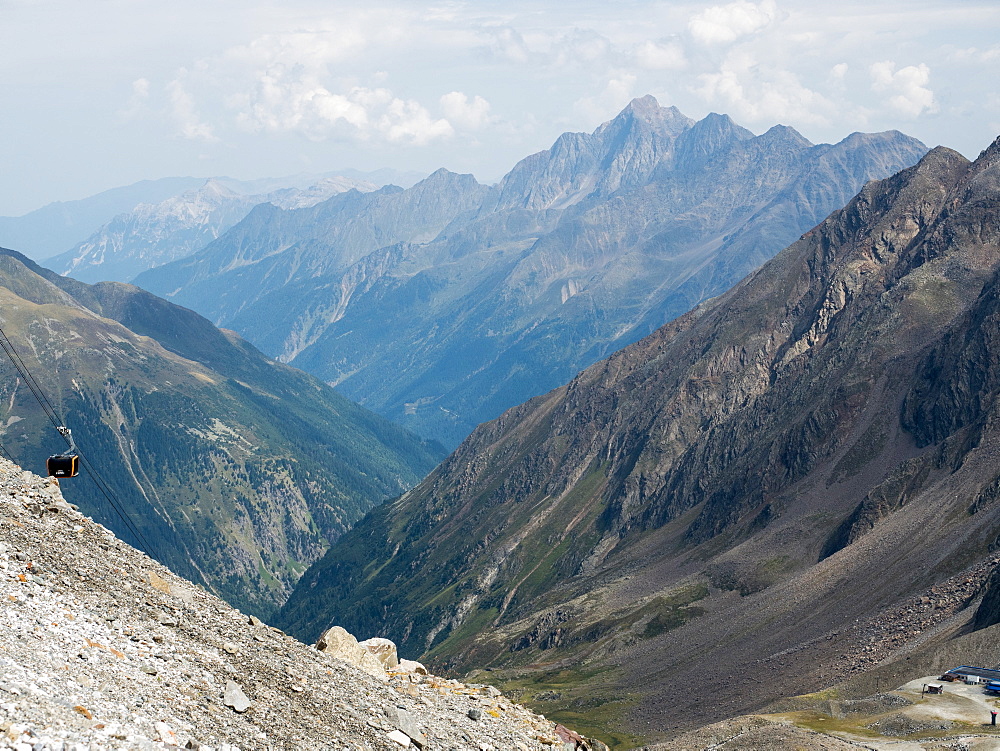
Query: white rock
{"type": "Point", "coordinates": [338, 642]}
{"type": "Point", "coordinates": [400, 737]}
{"type": "Point", "coordinates": [383, 649]}
{"type": "Point", "coordinates": [235, 698]}
{"type": "Point", "coordinates": [410, 666]}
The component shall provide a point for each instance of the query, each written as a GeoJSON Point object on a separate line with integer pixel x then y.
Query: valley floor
{"type": "Point", "coordinates": [902, 720]}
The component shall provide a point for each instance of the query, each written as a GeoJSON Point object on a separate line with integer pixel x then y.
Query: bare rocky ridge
{"type": "Point", "coordinates": [723, 503]}
{"type": "Point", "coordinates": [103, 648]}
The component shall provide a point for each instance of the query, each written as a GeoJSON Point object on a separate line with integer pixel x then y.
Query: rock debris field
{"type": "Point", "coordinates": [103, 648]}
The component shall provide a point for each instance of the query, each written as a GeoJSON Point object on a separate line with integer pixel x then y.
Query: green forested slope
{"type": "Point", "coordinates": [237, 471]}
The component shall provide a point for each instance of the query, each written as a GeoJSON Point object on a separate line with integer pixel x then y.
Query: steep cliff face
{"type": "Point", "coordinates": [237, 471]}
{"type": "Point", "coordinates": [442, 305]}
{"type": "Point", "coordinates": [733, 489]}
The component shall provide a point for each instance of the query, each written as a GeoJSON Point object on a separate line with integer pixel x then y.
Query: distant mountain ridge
{"type": "Point", "coordinates": [57, 227]}
{"type": "Point", "coordinates": [721, 503]}
{"type": "Point", "coordinates": [441, 305]}
{"type": "Point", "coordinates": [153, 234]}
{"type": "Point", "coordinates": [237, 470]}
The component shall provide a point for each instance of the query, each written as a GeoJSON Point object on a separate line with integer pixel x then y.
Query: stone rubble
{"type": "Point", "coordinates": [103, 648]}
{"type": "Point", "coordinates": [875, 639]}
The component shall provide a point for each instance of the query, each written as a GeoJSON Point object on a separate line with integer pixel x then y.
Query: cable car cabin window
{"type": "Point", "coordinates": [62, 466]}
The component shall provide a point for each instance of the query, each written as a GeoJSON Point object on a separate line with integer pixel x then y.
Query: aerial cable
{"type": "Point", "coordinates": [50, 413]}
{"type": "Point", "coordinates": [29, 380]}
{"type": "Point", "coordinates": [5, 452]}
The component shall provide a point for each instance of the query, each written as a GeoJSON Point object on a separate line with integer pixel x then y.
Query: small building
{"type": "Point", "coordinates": [967, 672]}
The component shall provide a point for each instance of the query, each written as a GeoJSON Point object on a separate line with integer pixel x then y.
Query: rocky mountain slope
{"type": "Point", "coordinates": [103, 648]}
{"type": "Point", "coordinates": [444, 304]}
{"type": "Point", "coordinates": [152, 234]}
{"type": "Point", "coordinates": [237, 471]}
{"type": "Point", "coordinates": [717, 504]}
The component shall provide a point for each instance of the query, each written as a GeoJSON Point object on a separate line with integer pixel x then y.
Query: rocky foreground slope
{"type": "Point", "coordinates": [103, 648]}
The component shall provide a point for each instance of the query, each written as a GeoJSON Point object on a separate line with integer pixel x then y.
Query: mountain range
{"type": "Point", "coordinates": [235, 470]}
{"type": "Point", "coordinates": [441, 305]}
{"type": "Point", "coordinates": [726, 504]}
{"type": "Point", "coordinates": [153, 234]}
{"type": "Point", "coordinates": [58, 226]}
{"type": "Point", "coordinates": [62, 226]}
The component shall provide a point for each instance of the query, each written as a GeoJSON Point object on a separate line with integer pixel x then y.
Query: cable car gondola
{"type": "Point", "coordinates": [64, 465]}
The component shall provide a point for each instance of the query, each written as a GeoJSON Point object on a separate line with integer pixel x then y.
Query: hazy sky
{"type": "Point", "coordinates": [101, 93]}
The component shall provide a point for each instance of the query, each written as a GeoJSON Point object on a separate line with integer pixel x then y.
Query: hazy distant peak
{"type": "Point", "coordinates": [445, 175]}
{"type": "Point", "coordinates": [669, 121]}
{"type": "Point", "coordinates": [213, 186]}
{"type": "Point", "coordinates": [714, 121]}
{"type": "Point", "coordinates": [788, 134]}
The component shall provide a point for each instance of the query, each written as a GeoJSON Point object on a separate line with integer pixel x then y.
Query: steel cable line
{"type": "Point", "coordinates": [50, 413]}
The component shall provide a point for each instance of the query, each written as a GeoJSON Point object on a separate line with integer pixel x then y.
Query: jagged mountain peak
{"type": "Point", "coordinates": [715, 122]}
{"type": "Point", "coordinates": [621, 153]}
{"type": "Point", "coordinates": [668, 121]}
{"type": "Point", "coordinates": [214, 186]}
{"type": "Point", "coordinates": [646, 105]}
{"type": "Point", "coordinates": [712, 135]}
{"type": "Point", "coordinates": [443, 177]}
{"type": "Point", "coordinates": [786, 134]}
{"type": "Point", "coordinates": [987, 160]}
{"type": "Point", "coordinates": [991, 152]}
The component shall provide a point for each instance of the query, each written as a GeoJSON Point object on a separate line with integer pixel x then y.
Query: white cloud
{"type": "Point", "coordinates": [745, 89]}
{"type": "Point", "coordinates": [138, 101]}
{"type": "Point", "coordinates": [460, 110]}
{"type": "Point", "coordinates": [975, 55]}
{"type": "Point", "coordinates": [617, 92]}
{"type": "Point", "coordinates": [409, 122]}
{"type": "Point", "coordinates": [508, 43]}
{"type": "Point", "coordinates": [302, 82]}
{"type": "Point", "coordinates": [907, 87]}
{"type": "Point", "coordinates": [185, 114]}
{"type": "Point", "coordinates": [312, 49]}
{"type": "Point", "coordinates": [721, 24]}
{"type": "Point", "coordinates": [550, 49]}
{"type": "Point", "coordinates": [655, 56]}
{"type": "Point", "coordinates": [359, 113]}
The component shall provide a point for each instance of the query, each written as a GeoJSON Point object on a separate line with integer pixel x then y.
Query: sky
{"type": "Point", "coordinates": [102, 93]}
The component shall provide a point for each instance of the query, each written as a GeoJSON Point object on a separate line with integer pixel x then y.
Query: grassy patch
{"type": "Point", "coordinates": [746, 580]}
{"type": "Point", "coordinates": [674, 610]}
{"type": "Point", "coordinates": [477, 622]}
{"type": "Point", "coordinates": [822, 723]}
{"type": "Point", "coordinates": [574, 697]}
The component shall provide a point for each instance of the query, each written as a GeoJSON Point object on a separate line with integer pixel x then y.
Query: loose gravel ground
{"type": "Point", "coordinates": [103, 648]}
